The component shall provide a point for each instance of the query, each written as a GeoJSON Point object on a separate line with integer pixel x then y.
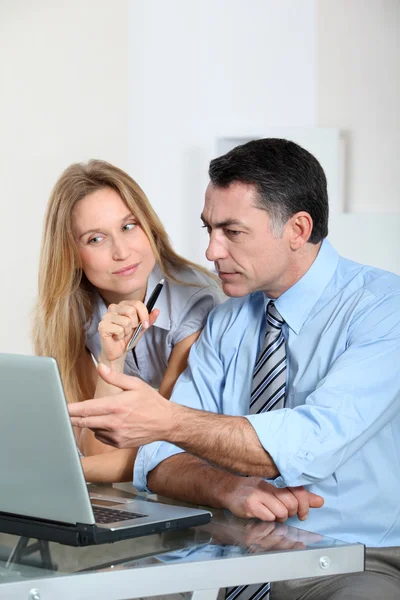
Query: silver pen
{"type": "Point", "coordinates": [150, 305]}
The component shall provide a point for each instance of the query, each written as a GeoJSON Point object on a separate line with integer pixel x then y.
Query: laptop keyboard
{"type": "Point", "coordinates": [108, 515]}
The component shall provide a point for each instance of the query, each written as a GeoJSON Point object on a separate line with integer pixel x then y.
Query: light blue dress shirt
{"type": "Point", "coordinates": [339, 433]}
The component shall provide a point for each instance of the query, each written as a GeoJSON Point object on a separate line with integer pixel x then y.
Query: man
{"type": "Point", "coordinates": [294, 379]}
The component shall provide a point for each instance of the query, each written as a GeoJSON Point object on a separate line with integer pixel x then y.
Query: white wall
{"type": "Point", "coordinates": [209, 68]}
{"type": "Point", "coordinates": [64, 98]}
{"type": "Point", "coordinates": [358, 90]}
{"type": "Point", "coordinates": [201, 70]}
{"type": "Point", "coordinates": [195, 71]}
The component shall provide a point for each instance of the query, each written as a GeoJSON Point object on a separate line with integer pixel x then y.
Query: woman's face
{"type": "Point", "coordinates": [115, 252]}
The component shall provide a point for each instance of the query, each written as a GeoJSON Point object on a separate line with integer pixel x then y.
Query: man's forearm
{"type": "Point", "coordinates": [190, 479]}
{"type": "Point", "coordinates": [229, 442]}
{"type": "Point", "coordinates": [140, 416]}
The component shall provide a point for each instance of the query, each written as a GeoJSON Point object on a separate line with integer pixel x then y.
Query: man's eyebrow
{"type": "Point", "coordinates": [223, 224]}
{"type": "Point", "coordinates": [90, 231]}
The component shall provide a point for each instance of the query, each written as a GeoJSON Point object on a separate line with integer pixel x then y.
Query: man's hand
{"type": "Point", "coordinates": [130, 419]}
{"type": "Point", "coordinates": [253, 497]}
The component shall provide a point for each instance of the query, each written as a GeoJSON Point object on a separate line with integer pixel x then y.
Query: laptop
{"type": "Point", "coordinates": [43, 493]}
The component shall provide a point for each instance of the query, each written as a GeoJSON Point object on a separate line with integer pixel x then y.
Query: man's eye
{"type": "Point", "coordinates": [95, 240]}
{"type": "Point", "coordinates": [129, 226]}
{"type": "Point", "coordinates": [206, 227]}
{"type": "Point", "coordinates": [233, 232]}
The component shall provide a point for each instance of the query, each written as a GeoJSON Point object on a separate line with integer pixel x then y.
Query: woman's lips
{"type": "Point", "coordinates": [126, 270]}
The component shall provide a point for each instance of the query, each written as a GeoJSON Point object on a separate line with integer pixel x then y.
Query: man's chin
{"type": "Point", "coordinates": [234, 290]}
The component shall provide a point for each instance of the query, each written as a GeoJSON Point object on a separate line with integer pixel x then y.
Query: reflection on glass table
{"type": "Point", "coordinates": [227, 551]}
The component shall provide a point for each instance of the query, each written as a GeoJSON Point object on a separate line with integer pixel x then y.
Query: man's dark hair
{"type": "Point", "coordinates": [288, 179]}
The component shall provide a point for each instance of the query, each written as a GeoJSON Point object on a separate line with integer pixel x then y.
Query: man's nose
{"type": "Point", "coordinates": [216, 249]}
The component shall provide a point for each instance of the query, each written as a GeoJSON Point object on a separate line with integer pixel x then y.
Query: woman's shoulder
{"type": "Point", "coordinates": [189, 300]}
{"type": "Point", "coordinates": [193, 283]}
{"type": "Point", "coordinates": [186, 299]}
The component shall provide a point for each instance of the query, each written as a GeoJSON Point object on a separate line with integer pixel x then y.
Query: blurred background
{"type": "Point", "coordinates": [159, 87]}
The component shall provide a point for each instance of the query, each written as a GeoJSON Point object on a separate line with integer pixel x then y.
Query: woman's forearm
{"type": "Point", "coordinates": [111, 467]}
{"type": "Point", "coordinates": [88, 444]}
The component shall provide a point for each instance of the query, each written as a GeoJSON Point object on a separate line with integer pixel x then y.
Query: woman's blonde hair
{"type": "Point", "coordinates": [65, 302]}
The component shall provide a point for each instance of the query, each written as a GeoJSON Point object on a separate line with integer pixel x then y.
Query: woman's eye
{"type": "Point", "coordinates": [129, 226]}
{"type": "Point", "coordinates": [95, 240]}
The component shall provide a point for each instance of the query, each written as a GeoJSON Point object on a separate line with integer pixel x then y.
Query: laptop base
{"type": "Point", "coordinates": [87, 535]}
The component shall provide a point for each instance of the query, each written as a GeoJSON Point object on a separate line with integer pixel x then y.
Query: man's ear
{"type": "Point", "coordinates": [301, 225]}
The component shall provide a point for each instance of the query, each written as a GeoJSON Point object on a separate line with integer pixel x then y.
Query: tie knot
{"type": "Point", "coordinates": [273, 317]}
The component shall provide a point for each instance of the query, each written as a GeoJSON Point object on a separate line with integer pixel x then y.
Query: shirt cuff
{"type": "Point", "coordinates": [290, 453]}
{"type": "Point", "coordinates": [148, 458]}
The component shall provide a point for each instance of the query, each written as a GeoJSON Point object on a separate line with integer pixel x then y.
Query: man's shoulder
{"type": "Point", "coordinates": [374, 281]}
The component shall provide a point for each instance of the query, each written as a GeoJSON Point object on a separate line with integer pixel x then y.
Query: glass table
{"type": "Point", "coordinates": [227, 551]}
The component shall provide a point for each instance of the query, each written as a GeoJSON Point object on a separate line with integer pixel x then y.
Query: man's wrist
{"type": "Point", "coordinates": [225, 488]}
{"type": "Point", "coordinates": [178, 423]}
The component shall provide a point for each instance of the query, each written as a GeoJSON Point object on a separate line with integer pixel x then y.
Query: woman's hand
{"type": "Point", "coordinates": [117, 326]}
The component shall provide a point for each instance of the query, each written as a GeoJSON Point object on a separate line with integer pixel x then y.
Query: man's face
{"type": "Point", "coordinates": [247, 254]}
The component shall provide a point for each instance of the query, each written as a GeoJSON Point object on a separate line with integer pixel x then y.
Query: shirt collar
{"type": "Point", "coordinates": [163, 320]}
{"type": "Point", "coordinates": [296, 303]}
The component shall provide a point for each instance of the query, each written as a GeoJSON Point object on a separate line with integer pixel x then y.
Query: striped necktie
{"type": "Point", "coordinates": [269, 376]}
{"type": "Point", "coordinates": [267, 393]}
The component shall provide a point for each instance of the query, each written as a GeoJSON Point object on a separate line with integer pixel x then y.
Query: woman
{"type": "Point", "coordinates": [103, 251]}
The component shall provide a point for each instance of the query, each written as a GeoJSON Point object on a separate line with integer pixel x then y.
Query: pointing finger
{"type": "Point", "coordinates": [89, 408]}
{"type": "Point", "coordinates": [90, 422]}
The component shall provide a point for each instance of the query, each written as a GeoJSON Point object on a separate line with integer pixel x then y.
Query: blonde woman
{"type": "Point", "coordinates": [103, 251]}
